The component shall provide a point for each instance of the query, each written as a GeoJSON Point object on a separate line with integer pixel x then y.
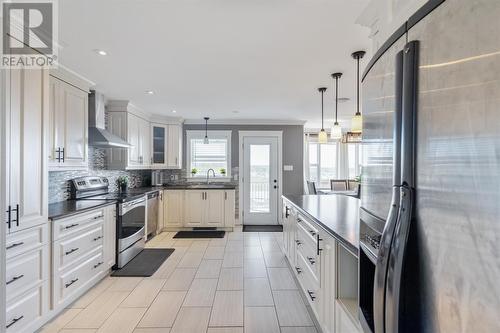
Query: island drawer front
{"type": "Point", "coordinates": [24, 310]}
{"type": "Point", "coordinates": [74, 224]}
{"type": "Point", "coordinates": [26, 271]}
{"type": "Point", "coordinates": [26, 240]}
{"type": "Point", "coordinates": [309, 272]}
{"type": "Point", "coordinates": [73, 280]}
{"type": "Point", "coordinates": [304, 244]}
{"type": "Point", "coordinates": [307, 231]}
{"type": "Point", "coordinates": [70, 249]}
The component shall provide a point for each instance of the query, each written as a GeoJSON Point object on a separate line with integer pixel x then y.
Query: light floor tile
{"type": "Point", "coordinates": [218, 242]}
{"type": "Point", "coordinates": [275, 259]}
{"type": "Point", "coordinates": [182, 242]}
{"type": "Point", "coordinates": [60, 321]}
{"type": "Point", "coordinates": [144, 294]}
{"type": "Point", "coordinates": [180, 279]}
{"type": "Point", "coordinates": [291, 308]}
{"type": "Point", "coordinates": [98, 311]}
{"type": "Point", "coordinates": [166, 269]}
{"type": "Point", "coordinates": [258, 292]}
{"type": "Point", "coordinates": [152, 330]}
{"type": "Point", "coordinates": [225, 330]}
{"type": "Point", "coordinates": [201, 292]}
{"type": "Point", "coordinates": [253, 252]}
{"type": "Point", "coordinates": [209, 269]}
{"type": "Point", "coordinates": [281, 279]}
{"type": "Point", "coordinates": [255, 268]}
{"type": "Point", "coordinates": [123, 320]}
{"type": "Point", "coordinates": [199, 246]}
{"type": "Point", "coordinates": [261, 320]}
{"type": "Point", "coordinates": [233, 259]}
{"type": "Point", "coordinates": [216, 252]}
{"type": "Point", "coordinates": [231, 279]}
{"type": "Point", "coordinates": [192, 320]}
{"type": "Point", "coordinates": [77, 330]}
{"type": "Point", "coordinates": [298, 330]}
{"type": "Point", "coordinates": [191, 260]}
{"type": "Point", "coordinates": [93, 293]}
{"type": "Point", "coordinates": [234, 245]}
{"type": "Point", "coordinates": [125, 283]}
{"type": "Point", "coordinates": [227, 309]}
{"type": "Point", "coordinates": [164, 309]}
{"type": "Point", "coordinates": [251, 241]}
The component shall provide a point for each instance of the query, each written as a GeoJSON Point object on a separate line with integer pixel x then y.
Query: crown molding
{"type": "Point", "coordinates": [245, 122]}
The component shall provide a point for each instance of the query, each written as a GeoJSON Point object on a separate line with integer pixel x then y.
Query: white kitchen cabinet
{"type": "Point", "coordinates": [214, 208]}
{"type": "Point", "coordinates": [68, 126]}
{"type": "Point", "coordinates": [229, 208]}
{"type": "Point", "coordinates": [109, 240]}
{"type": "Point", "coordinates": [173, 203]}
{"type": "Point", "coordinates": [159, 144]}
{"type": "Point", "coordinates": [194, 208]}
{"type": "Point", "coordinates": [174, 147]}
{"type": "Point", "coordinates": [25, 148]}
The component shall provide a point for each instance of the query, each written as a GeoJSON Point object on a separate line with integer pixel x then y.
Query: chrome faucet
{"type": "Point", "coordinates": [208, 175]}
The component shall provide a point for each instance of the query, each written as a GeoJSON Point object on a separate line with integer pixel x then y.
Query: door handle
{"type": "Point", "coordinates": [17, 215]}
{"type": "Point", "coordinates": [13, 321]}
{"type": "Point", "coordinates": [9, 215]}
{"type": "Point", "coordinates": [58, 151]}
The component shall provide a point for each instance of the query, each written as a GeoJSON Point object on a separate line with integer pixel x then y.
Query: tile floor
{"type": "Point", "coordinates": [237, 284]}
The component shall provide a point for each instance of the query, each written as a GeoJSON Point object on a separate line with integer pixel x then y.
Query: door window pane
{"type": "Point", "coordinates": [259, 178]}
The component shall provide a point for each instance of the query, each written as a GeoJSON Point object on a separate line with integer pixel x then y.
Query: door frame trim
{"type": "Point", "coordinates": [273, 134]}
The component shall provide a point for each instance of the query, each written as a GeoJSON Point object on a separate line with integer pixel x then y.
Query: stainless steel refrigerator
{"type": "Point", "coordinates": [430, 218]}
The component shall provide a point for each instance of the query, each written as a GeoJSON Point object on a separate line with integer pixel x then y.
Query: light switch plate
{"type": "Point", "coordinates": [288, 167]}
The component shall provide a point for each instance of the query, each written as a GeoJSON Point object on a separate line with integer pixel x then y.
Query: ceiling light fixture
{"type": "Point", "coordinates": [357, 120]}
{"type": "Point", "coordinates": [150, 92]}
{"type": "Point", "coordinates": [205, 140]}
{"type": "Point", "coordinates": [322, 136]}
{"type": "Point", "coordinates": [336, 133]}
{"type": "Point", "coordinates": [173, 111]}
{"type": "Point", "coordinates": [100, 52]}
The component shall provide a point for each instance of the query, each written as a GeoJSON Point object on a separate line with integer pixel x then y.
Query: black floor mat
{"type": "Point", "coordinates": [200, 234]}
{"type": "Point", "coordinates": [145, 263]}
{"type": "Point", "coordinates": [263, 228]}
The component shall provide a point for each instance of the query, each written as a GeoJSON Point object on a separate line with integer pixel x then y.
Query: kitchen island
{"type": "Point", "coordinates": [320, 241]}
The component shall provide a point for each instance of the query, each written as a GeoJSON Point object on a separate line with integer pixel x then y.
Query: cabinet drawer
{"type": "Point", "coordinates": [70, 282]}
{"type": "Point", "coordinates": [26, 240]}
{"type": "Point", "coordinates": [70, 249]}
{"type": "Point", "coordinates": [307, 231]}
{"type": "Point", "coordinates": [74, 224]}
{"type": "Point", "coordinates": [26, 271]}
{"type": "Point", "coordinates": [23, 311]}
{"type": "Point", "coordinates": [309, 272]}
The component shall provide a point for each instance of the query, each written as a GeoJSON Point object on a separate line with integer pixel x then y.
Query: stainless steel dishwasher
{"type": "Point", "coordinates": [152, 222]}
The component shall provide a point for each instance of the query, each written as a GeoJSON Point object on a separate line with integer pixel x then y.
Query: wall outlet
{"type": "Point", "coordinates": [172, 177]}
{"type": "Point", "coordinates": [288, 167]}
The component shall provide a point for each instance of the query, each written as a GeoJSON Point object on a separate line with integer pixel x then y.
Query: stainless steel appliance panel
{"type": "Point", "coordinates": [458, 167]}
{"type": "Point", "coordinates": [153, 206]}
{"type": "Point", "coordinates": [379, 87]}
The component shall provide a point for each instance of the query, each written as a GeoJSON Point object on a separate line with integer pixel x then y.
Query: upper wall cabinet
{"type": "Point", "coordinates": [68, 124]}
{"type": "Point", "coordinates": [174, 147]}
{"type": "Point", "coordinates": [25, 146]}
{"type": "Point", "coordinates": [166, 146]}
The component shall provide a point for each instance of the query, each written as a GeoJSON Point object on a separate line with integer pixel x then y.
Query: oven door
{"type": "Point", "coordinates": [131, 222]}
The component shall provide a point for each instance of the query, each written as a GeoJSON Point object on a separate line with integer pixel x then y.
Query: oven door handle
{"type": "Point", "coordinates": [128, 206]}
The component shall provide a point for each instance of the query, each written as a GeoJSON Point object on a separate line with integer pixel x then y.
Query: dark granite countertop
{"type": "Point", "coordinates": [336, 214]}
{"type": "Point", "coordinates": [59, 210]}
{"type": "Point", "coordinates": [217, 186]}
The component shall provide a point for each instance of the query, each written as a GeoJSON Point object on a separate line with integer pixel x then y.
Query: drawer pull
{"type": "Point", "coordinates": [298, 269]}
{"type": "Point", "coordinates": [298, 242]}
{"type": "Point", "coordinates": [311, 295]}
{"type": "Point", "coordinates": [312, 232]}
{"type": "Point", "coordinates": [98, 264]}
{"type": "Point", "coordinates": [14, 245]}
{"type": "Point", "coordinates": [70, 283]}
{"type": "Point", "coordinates": [318, 250]}
{"type": "Point", "coordinates": [98, 217]}
{"type": "Point", "coordinates": [299, 220]}
{"type": "Point", "coordinates": [311, 260]}
{"type": "Point", "coordinates": [72, 250]}
{"type": "Point", "coordinates": [13, 321]}
{"type": "Point", "coordinates": [97, 238]}
{"type": "Point", "coordinates": [71, 226]}
{"type": "Point", "coordinates": [15, 278]}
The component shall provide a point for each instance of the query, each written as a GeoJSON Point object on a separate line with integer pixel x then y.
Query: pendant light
{"type": "Point", "coordinates": [322, 136]}
{"type": "Point", "coordinates": [357, 120]}
{"type": "Point", "coordinates": [205, 140]}
{"type": "Point", "coordinates": [336, 133]}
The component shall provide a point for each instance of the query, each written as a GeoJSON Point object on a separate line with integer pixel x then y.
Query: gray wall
{"type": "Point", "coordinates": [293, 150]}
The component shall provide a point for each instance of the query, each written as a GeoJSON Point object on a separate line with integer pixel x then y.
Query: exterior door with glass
{"type": "Point", "coordinates": [260, 180]}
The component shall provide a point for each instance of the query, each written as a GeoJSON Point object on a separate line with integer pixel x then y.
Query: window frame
{"type": "Point", "coordinates": [200, 134]}
{"type": "Point", "coordinates": [318, 156]}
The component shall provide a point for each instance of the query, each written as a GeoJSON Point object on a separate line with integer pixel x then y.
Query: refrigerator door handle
{"type": "Point", "coordinates": [392, 218]}
{"type": "Point", "coordinates": [399, 243]}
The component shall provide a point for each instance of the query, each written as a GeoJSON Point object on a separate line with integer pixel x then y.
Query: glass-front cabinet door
{"type": "Point", "coordinates": [159, 145]}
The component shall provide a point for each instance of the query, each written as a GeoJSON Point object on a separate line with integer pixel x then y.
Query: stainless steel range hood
{"type": "Point", "coordinates": [98, 135]}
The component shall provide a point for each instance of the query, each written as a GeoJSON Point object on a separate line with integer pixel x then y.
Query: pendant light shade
{"type": "Point", "coordinates": [205, 140]}
{"type": "Point", "coordinates": [336, 133]}
{"type": "Point", "coordinates": [322, 136]}
{"type": "Point", "coordinates": [357, 120]}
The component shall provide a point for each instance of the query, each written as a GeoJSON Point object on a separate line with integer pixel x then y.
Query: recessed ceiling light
{"type": "Point", "coordinates": [343, 99]}
{"type": "Point", "coordinates": [100, 52]}
{"type": "Point", "coordinates": [150, 92]}
{"type": "Point", "coordinates": [173, 111]}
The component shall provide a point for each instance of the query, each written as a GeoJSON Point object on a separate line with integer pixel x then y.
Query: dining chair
{"type": "Point", "coordinates": [352, 184]}
{"type": "Point", "coordinates": [338, 184]}
{"type": "Point", "coordinates": [311, 188]}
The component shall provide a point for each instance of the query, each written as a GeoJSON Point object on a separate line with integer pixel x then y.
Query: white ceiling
{"type": "Point", "coordinates": [262, 58]}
